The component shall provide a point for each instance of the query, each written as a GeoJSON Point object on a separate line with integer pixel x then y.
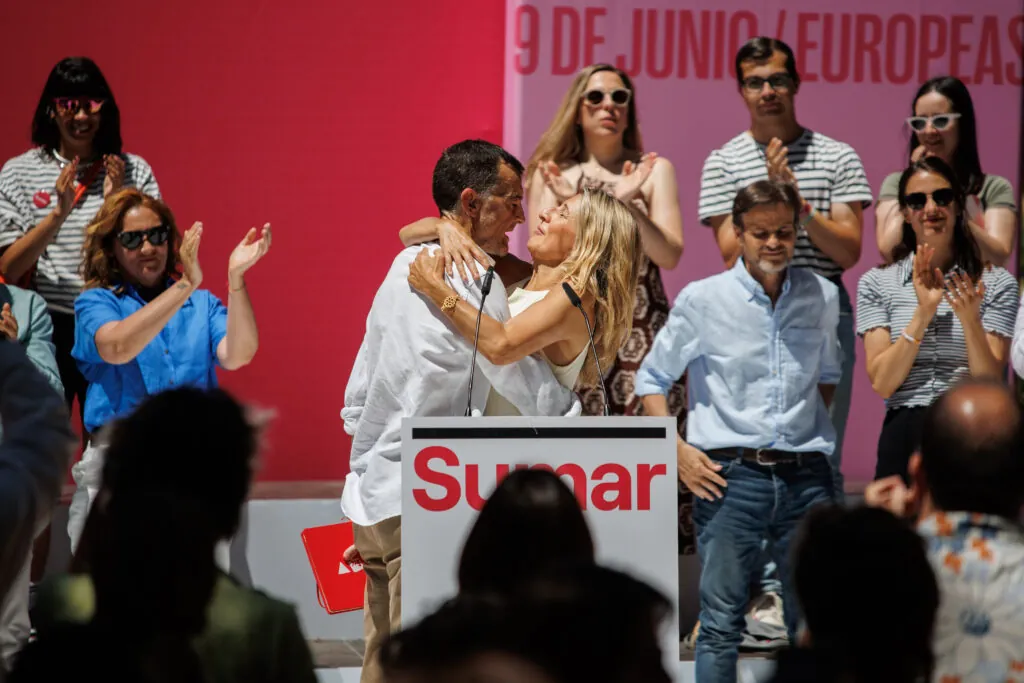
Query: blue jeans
{"type": "Point", "coordinates": [838, 410]}
{"type": "Point", "coordinates": [761, 503]}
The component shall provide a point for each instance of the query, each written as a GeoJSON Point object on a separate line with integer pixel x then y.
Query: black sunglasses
{"type": "Point", "coordinates": [918, 200]}
{"type": "Point", "coordinates": [155, 236]}
{"type": "Point", "coordinates": [595, 97]}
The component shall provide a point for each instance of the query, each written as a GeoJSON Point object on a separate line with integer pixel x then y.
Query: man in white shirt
{"type": "Point", "coordinates": [413, 363]}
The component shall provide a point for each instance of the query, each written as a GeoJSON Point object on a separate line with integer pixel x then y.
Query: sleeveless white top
{"type": "Point", "coordinates": [518, 301]}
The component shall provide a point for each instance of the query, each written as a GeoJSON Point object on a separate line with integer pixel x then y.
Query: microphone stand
{"type": "Point", "coordinates": [574, 299]}
{"type": "Point", "coordinates": [485, 289]}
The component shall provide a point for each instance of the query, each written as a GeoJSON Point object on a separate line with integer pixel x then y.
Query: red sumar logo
{"type": "Point", "coordinates": [605, 486]}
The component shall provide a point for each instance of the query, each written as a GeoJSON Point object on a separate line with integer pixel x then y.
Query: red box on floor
{"type": "Point", "coordinates": [339, 585]}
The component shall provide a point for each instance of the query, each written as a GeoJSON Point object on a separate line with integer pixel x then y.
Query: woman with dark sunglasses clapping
{"type": "Point", "coordinates": [942, 125]}
{"type": "Point", "coordinates": [936, 314]}
{"type": "Point", "coordinates": [141, 328]}
{"type": "Point", "coordinates": [50, 193]}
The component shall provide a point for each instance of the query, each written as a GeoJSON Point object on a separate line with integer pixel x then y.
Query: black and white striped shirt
{"type": "Point", "coordinates": [886, 298]}
{"type": "Point", "coordinates": [827, 172]}
{"type": "Point", "coordinates": [28, 193]}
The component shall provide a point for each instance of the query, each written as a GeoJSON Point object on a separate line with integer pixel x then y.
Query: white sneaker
{"type": "Point", "coordinates": [767, 609]}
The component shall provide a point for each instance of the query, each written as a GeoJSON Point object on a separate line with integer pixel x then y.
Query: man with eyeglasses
{"type": "Point", "coordinates": [759, 344]}
{"type": "Point", "coordinates": [833, 191]}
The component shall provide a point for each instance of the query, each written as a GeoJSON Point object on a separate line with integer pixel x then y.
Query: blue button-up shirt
{"type": "Point", "coordinates": [754, 368]}
{"type": "Point", "coordinates": [183, 354]}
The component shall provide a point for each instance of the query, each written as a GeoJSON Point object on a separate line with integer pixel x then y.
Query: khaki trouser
{"type": "Point", "coordinates": [381, 548]}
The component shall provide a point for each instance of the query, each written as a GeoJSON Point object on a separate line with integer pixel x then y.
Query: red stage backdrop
{"type": "Point", "coordinates": [324, 118]}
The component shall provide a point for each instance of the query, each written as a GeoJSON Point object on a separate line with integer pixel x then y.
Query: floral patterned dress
{"type": "Point", "coordinates": [649, 316]}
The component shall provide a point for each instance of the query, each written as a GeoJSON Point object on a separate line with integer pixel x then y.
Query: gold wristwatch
{"type": "Point", "coordinates": [449, 304]}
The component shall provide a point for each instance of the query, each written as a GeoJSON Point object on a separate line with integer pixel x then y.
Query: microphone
{"type": "Point", "coordinates": [485, 289]}
{"type": "Point", "coordinates": [574, 299]}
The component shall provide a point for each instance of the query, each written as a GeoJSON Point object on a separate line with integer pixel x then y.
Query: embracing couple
{"type": "Point", "coordinates": [416, 356]}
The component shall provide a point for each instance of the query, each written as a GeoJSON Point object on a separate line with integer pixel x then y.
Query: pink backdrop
{"type": "Point", "coordinates": [860, 70]}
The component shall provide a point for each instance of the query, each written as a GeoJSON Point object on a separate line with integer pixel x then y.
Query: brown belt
{"type": "Point", "coordinates": [766, 456]}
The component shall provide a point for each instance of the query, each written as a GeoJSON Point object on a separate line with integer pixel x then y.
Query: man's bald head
{"type": "Point", "coordinates": [971, 450]}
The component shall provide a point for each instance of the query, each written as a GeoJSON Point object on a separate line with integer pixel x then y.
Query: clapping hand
{"type": "Point", "coordinates": [634, 176]}
{"type": "Point", "coordinates": [114, 179]}
{"type": "Point", "coordinates": [928, 284]}
{"type": "Point", "coordinates": [189, 255]}
{"type": "Point", "coordinates": [250, 250]}
{"type": "Point", "coordinates": [777, 160]}
{"type": "Point", "coordinates": [8, 324]}
{"type": "Point", "coordinates": [965, 297]}
{"type": "Point", "coordinates": [66, 185]}
{"type": "Point", "coordinates": [891, 494]}
{"type": "Point", "coordinates": [557, 182]}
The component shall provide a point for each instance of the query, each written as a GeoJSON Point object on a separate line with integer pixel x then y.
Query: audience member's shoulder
{"type": "Point", "coordinates": [24, 162]}
{"type": "Point", "coordinates": [999, 279]}
{"type": "Point", "coordinates": [233, 602]}
{"type": "Point", "coordinates": [137, 164]}
{"type": "Point", "coordinates": [63, 599]}
{"type": "Point", "coordinates": [734, 147]}
{"type": "Point", "coordinates": [821, 141]}
{"type": "Point", "coordinates": [877, 276]}
{"type": "Point", "coordinates": [94, 296]}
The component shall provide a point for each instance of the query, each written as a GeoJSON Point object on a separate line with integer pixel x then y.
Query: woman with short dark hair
{"type": "Point", "coordinates": [51, 192]}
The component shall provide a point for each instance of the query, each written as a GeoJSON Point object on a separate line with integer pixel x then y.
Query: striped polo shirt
{"type": "Point", "coordinates": [28, 194]}
{"type": "Point", "coordinates": [886, 298]}
{"type": "Point", "coordinates": [827, 172]}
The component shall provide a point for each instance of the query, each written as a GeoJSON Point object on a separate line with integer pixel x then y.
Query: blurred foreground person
{"type": "Point", "coordinates": [248, 636]}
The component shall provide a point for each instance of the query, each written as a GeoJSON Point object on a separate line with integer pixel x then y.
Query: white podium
{"type": "Point", "coordinates": [623, 470]}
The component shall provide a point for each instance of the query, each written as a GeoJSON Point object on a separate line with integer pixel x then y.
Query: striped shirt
{"type": "Point", "coordinates": [886, 298]}
{"type": "Point", "coordinates": [827, 172]}
{"type": "Point", "coordinates": [28, 194]}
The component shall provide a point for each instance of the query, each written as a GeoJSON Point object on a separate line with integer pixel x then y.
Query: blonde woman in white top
{"type": "Point", "coordinates": [590, 242]}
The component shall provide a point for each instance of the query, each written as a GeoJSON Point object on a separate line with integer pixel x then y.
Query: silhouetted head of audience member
{"type": "Point", "coordinates": [184, 444]}
{"type": "Point", "coordinates": [153, 566]}
{"type": "Point", "coordinates": [531, 522]}
{"type": "Point", "coordinates": [549, 632]}
{"type": "Point", "coordinates": [480, 184]}
{"type": "Point", "coordinates": [153, 575]}
{"type": "Point", "coordinates": [863, 573]}
{"type": "Point", "coordinates": [972, 452]}
{"type": "Point", "coordinates": [77, 105]}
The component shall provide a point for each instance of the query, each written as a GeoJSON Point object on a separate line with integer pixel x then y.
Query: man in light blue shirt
{"type": "Point", "coordinates": [759, 342]}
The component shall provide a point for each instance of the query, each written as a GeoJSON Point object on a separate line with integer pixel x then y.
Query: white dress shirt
{"type": "Point", "coordinates": [414, 363]}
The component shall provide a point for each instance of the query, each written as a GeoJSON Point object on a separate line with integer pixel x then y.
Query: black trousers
{"type": "Point", "coordinates": [900, 437]}
{"type": "Point", "coordinates": [73, 381]}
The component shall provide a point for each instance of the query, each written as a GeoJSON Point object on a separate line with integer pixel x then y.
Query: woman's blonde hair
{"type": "Point", "coordinates": [563, 140]}
{"type": "Point", "coordinates": [605, 263]}
{"type": "Point", "coordinates": [99, 265]}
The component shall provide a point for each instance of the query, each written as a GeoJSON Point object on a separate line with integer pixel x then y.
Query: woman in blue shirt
{"type": "Point", "coordinates": [141, 328]}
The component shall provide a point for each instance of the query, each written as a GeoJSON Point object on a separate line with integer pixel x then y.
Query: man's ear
{"type": "Point", "coordinates": [469, 202]}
